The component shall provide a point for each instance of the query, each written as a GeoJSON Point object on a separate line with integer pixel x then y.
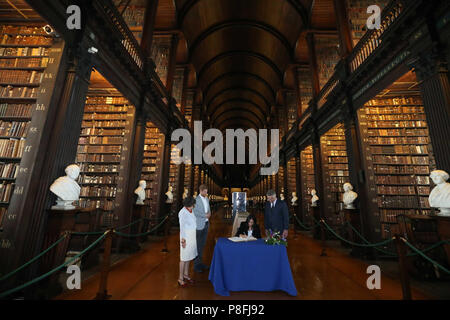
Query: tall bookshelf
{"type": "Point", "coordinates": [174, 175]}
{"type": "Point", "coordinates": [307, 182]}
{"type": "Point", "coordinates": [29, 64]}
{"type": "Point", "coordinates": [327, 57]}
{"type": "Point", "coordinates": [291, 104]}
{"type": "Point", "coordinates": [304, 82]}
{"type": "Point", "coordinates": [103, 152]}
{"type": "Point", "coordinates": [151, 169]}
{"type": "Point", "coordinates": [280, 177]}
{"type": "Point", "coordinates": [196, 179]}
{"type": "Point", "coordinates": [291, 180]}
{"type": "Point", "coordinates": [177, 89]}
{"type": "Point", "coordinates": [160, 55]}
{"type": "Point", "coordinates": [399, 158]}
{"type": "Point", "coordinates": [188, 178]}
{"type": "Point", "coordinates": [335, 171]}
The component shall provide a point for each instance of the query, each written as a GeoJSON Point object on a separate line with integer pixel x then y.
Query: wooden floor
{"type": "Point", "coordinates": [150, 274]}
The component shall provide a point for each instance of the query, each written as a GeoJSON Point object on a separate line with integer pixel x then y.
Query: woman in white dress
{"type": "Point", "coordinates": [188, 240]}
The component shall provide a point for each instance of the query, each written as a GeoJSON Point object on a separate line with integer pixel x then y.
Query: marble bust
{"type": "Point", "coordinates": [195, 195]}
{"type": "Point", "coordinates": [169, 195]}
{"type": "Point", "coordinates": [349, 196]}
{"type": "Point", "coordinates": [294, 198]}
{"type": "Point", "coordinates": [440, 195]}
{"type": "Point", "coordinates": [140, 191]}
{"type": "Point", "coordinates": [314, 198]}
{"type": "Point", "coordinates": [282, 194]}
{"type": "Point", "coordinates": [185, 193]}
{"type": "Point", "coordinates": [66, 189]}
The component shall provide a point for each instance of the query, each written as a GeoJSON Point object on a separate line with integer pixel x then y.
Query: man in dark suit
{"type": "Point", "coordinates": [276, 215]}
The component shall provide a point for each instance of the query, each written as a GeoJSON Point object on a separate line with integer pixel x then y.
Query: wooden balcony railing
{"type": "Point", "coordinates": [326, 90]}
{"type": "Point", "coordinates": [373, 38]}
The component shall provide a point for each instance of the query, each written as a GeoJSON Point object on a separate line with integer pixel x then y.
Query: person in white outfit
{"type": "Point", "coordinates": [188, 240]}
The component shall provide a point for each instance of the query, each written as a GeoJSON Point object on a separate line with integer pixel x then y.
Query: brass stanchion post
{"type": "Point", "coordinates": [102, 293]}
{"type": "Point", "coordinates": [404, 277]}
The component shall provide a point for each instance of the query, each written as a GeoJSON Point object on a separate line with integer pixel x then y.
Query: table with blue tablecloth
{"type": "Point", "coordinates": [250, 266]}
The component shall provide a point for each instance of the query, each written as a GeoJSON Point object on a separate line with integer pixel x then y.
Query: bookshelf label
{"type": "Point", "coordinates": [18, 190]}
{"type": "Point", "coordinates": [40, 107]}
{"type": "Point", "coordinates": [23, 170]}
{"type": "Point", "coordinates": [28, 148]}
{"type": "Point", "coordinates": [12, 216]}
{"type": "Point", "coordinates": [6, 244]}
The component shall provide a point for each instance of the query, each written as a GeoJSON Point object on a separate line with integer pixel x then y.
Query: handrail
{"type": "Point", "coordinates": [327, 89]}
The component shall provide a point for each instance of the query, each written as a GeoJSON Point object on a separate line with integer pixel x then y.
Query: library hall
{"type": "Point", "coordinates": [204, 154]}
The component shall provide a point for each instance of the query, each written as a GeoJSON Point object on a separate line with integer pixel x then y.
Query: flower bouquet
{"type": "Point", "coordinates": [275, 239]}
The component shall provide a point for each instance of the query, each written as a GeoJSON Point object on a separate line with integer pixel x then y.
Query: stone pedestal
{"type": "Point", "coordinates": [443, 228]}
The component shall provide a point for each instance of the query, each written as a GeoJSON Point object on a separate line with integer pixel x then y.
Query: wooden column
{"type": "Point", "coordinates": [297, 88]}
{"type": "Point", "coordinates": [433, 75]}
{"type": "Point", "coordinates": [165, 163]}
{"type": "Point", "coordinates": [172, 64]}
{"type": "Point", "coordinates": [343, 26]}
{"type": "Point", "coordinates": [184, 92]}
{"type": "Point", "coordinates": [318, 172]}
{"type": "Point", "coordinates": [313, 64]}
{"type": "Point", "coordinates": [149, 26]}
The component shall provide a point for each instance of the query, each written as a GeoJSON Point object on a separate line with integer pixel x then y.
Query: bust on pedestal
{"type": "Point", "coordinates": [440, 196]}
{"type": "Point", "coordinates": [349, 196]}
{"type": "Point", "coordinates": [66, 189]}
{"type": "Point", "coordinates": [294, 199]}
{"type": "Point", "coordinates": [315, 198]}
{"type": "Point", "coordinates": [185, 193]}
{"type": "Point", "coordinates": [169, 195]}
{"type": "Point", "coordinates": [282, 194]}
{"type": "Point", "coordinates": [140, 192]}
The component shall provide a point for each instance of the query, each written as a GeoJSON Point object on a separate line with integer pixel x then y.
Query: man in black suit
{"type": "Point", "coordinates": [276, 215]}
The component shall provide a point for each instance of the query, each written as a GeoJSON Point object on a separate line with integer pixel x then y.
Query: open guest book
{"type": "Point", "coordinates": [239, 239]}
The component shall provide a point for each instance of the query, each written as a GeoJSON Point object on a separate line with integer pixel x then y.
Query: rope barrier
{"type": "Point", "coordinates": [6, 293]}
{"type": "Point", "coordinates": [367, 241]}
{"type": "Point", "coordinates": [425, 256]}
{"type": "Point", "coordinates": [34, 259]}
{"type": "Point", "coordinates": [370, 245]}
{"type": "Point", "coordinates": [304, 226]}
{"type": "Point", "coordinates": [141, 234]}
{"type": "Point", "coordinates": [130, 224]}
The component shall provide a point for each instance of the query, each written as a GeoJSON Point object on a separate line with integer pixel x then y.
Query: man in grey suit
{"type": "Point", "coordinates": [202, 214]}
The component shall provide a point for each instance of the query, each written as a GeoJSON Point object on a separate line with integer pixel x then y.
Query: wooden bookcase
{"type": "Point", "coordinates": [103, 153]}
{"type": "Point", "coordinates": [291, 181]}
{"type": "Point", "coordinates": [280, 177]}
{"type": "Point", "coordinates": [29, 65]}
{"type": "Point", "coordinates": [152, 169]}
{"type": "Point", "coordinates": [335, 172]}
{"type": "Point", "coordinates": [398, 158]}
{"type": "Point", "coordinates": [174, 176]}
{"type": "Point", "coordinates": [196, 179]}
{"type": "Point", "coordinates": [307, 182]}
{"type": "Point", "coordinates": [305, 85]}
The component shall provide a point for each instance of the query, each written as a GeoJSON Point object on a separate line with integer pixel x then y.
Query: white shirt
{"type": "Point", "coordinates": [187, 221]}
{"type": "Point", "coordinates": [205, 204]}
{"type": "Point", "coordinates": [272, 204]}
{"type": "Point", "coordinates": [250, 233]}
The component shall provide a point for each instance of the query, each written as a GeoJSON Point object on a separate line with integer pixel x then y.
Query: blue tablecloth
{"type": "Point", "coordinates": [250, 266]}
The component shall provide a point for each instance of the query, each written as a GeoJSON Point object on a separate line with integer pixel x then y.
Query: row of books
{"type": "Point", "coordinates": [13, 129]}
{"type": "Point", "coordinates": [85, 157]}
{"type": "Point", "coordinates": [338, 173]}
{"type": "Point", "coordinates": [394, 117]}
{"type": "Point", "coordinates": [397, 124]}
{"type": "Point", "coordinates": [398, 140]}
{"type": "Point", "coordinates": [9, 170]}
{"type": "Point", "coordinates": [99, 149]}
{"type": "Point", "coordinates": [87, 167]}
{"type": "Point", "coordinates": [337, 153]}
{"type": "Point", "coordinates": [31, 40]}
{"type": "Point", "coordinates": [390, 216]}
{"type": "Point", "coordinates": [402, 202]}
{"type": "Point", "coordinates": [16, 110]}
{"type": "Point", "coordinates": [11, 148]}
{"type": "Point", "coordinates": [94, 191]}
{"type": "Point", "coordinates": [103, 179]}
{"type": "Point", "coordinates": [102, 100]}
{"type": "Point", "coordinates": [104, 116]}
{"type": "Point", "coordinates": [102, 132]}
{"type": "Point", "coordinates": [104, 124]}
{"type": "Point", "coordinates": [89, 108]}
{"type": "Point", "coordinates": [3, 212]}
{"type": "Point", "coordinates": [395, 149]}
{"type": "Point", "coordinates": [337, 166]}
{"type": "Point", "coordinates": [9, 91]}
{"type": "Point", "coordinates": [385, 159]}
{"type": "Point", "coordinates": [100, 140]}
{"type": "Point", "coordinates": [24, 52]}
{"type": "Point", "coordinates": [337, 160]}
{"type": "Point", "coordinates": [406, 180]}
{"type": "Point", "coordinates": [403, 190]}
{"type": "Point", "coordinates": [387, 169]}
{"type": "Point", "coordinates": [24, 63]}
{"type": "Point", "coordinates": [6, 190]}
{"type": "Point", "coordinates": [337, 180]}
{"type": "Point", "coordinates": [24, 30]}
{"type": "Point", "coordinates": [398, 101]}
{"type": "Point", "coordinates": [397, 132]}
{"type": "Point", "coordinates": [104, 204]}
{"type": "Point", "coordinates": [21, 76]}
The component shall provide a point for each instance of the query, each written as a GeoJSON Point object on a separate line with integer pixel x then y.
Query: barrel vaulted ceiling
{"type": "Point", "coordinates": [240, 50]}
